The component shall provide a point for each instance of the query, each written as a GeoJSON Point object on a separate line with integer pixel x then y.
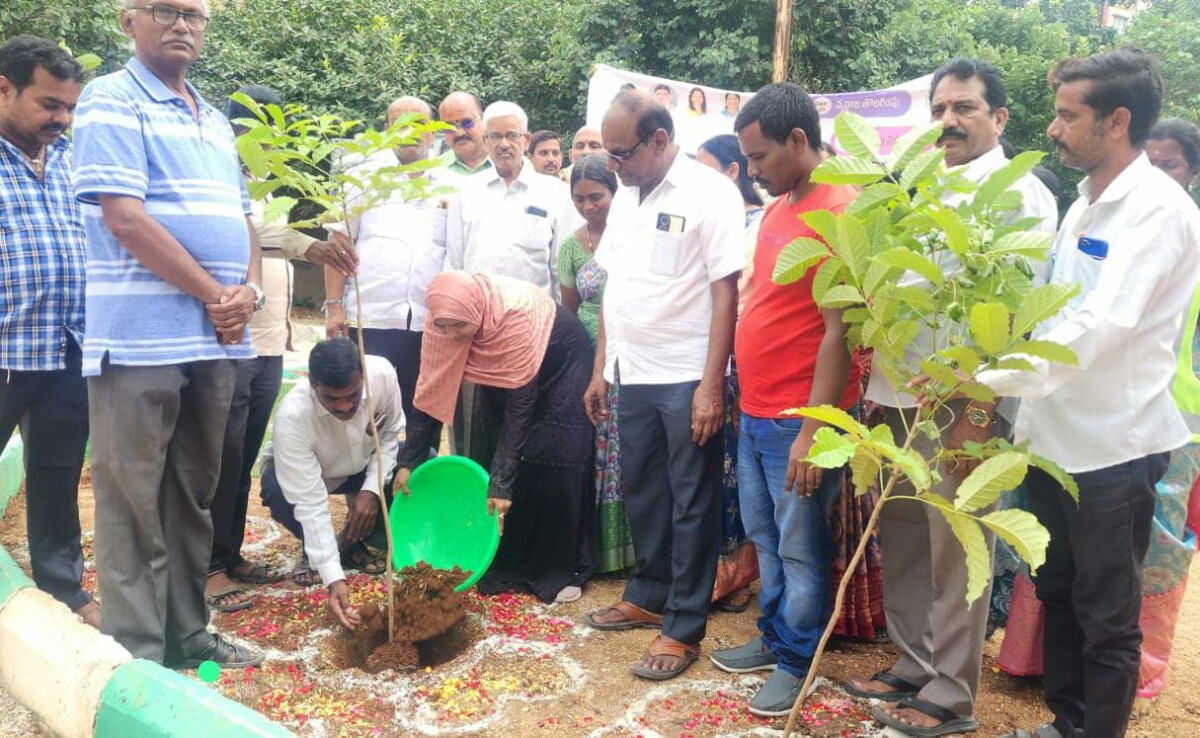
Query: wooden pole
{"type": "Point", "coordinates": [783, 40]}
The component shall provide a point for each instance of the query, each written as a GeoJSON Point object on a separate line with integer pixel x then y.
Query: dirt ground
{"type": "Point", "coordinates": [515, 667]}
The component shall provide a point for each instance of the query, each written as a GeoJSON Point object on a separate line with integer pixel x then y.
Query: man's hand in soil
{"type": "Point", "coordinates": [499, 508]}
{"type": "Point", "coordinates": [339, 605]}
{"type": "Point", "coordinates": [361, 518]}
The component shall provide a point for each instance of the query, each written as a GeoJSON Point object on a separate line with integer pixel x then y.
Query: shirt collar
{"type": "Point", "coordinates": [1122, 184]}
{"type": "Point", "coordinates": [53, 151]}
{"type": "Point", "coordinates": [154, 86]}
{"type": "Point", "coordinates": [524, 176]}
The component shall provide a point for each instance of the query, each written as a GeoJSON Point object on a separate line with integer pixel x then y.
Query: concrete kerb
{"type": "Point", "coordinates": [81, 683]}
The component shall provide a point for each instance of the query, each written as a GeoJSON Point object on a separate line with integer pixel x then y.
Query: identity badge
{"type": "Point", "coordinates": [1093, 247]}
{"type": "Point", "coordinates": [668, 223]}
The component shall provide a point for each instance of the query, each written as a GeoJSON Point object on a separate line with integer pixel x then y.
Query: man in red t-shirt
{"type": "Point", "coordinates": [790, 353]}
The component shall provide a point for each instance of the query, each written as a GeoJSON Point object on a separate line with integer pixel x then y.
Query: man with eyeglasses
{"type": "Point", "coordinates": [463, 111]}
{"type": "Point", "coordinates": [172, 280]}
{"type": "Point", "coordinates": [673, 252]}
{"type": "Point", "coordinates": [508, 220]}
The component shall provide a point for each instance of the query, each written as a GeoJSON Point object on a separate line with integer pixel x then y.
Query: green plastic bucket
{"type": "Point", "coordinates": [444, 520]}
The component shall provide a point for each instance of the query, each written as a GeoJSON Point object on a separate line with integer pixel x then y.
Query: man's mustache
{"type": "Point", "coordinates": [952, 133]}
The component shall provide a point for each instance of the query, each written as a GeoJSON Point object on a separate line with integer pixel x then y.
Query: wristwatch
{"type": "Point", "coordinates": [260, 300]}
{"type": "Point", "coordinates": [977, 416]}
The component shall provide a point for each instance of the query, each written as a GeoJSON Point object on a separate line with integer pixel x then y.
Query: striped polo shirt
{"type": "Point", "coordinates": [134, 137]}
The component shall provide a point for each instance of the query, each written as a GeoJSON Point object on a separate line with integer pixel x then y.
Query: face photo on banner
{"type": "Point", "coordinates": [700, 112]}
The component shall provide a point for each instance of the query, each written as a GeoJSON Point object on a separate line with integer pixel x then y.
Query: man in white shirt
{"type": "Point", "coordinates": [673, 251]}
{"type": "Point", "coordinates": [1132, 244]}
{"type": "Point", "coordinates": [508, 220]}
{"type": "Point", "coordinates": [321, 445]}
{"type": "Point", "coordinates": [401, 247]}
{"type": "Point", "coordinates": [924, 571]}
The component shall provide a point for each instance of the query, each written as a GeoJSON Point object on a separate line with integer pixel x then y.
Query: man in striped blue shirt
{"type": "Point", "coordinates": [172, 272]}
{"type": "Point", "coordinates": [41, 307]}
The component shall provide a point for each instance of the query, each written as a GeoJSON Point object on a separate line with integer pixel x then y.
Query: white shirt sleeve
{"type": "Point", "coordinates": [1128, 281]}
{"type": "Point", "coordinates": [385, 398]}
{"type": "Point", "coordinates": [299, 474]}
{"type": "Point", "coordinates": [723, 231]}
{"type": "Point", "coordinates": [455, 233]}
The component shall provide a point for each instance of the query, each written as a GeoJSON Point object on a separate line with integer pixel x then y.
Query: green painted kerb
{"type": "Point", "coordinates": [12, 579]}
{"type": "Point", "coordinates": [145, 700]}
{"type": "Point", "coordinates": [12, 471]}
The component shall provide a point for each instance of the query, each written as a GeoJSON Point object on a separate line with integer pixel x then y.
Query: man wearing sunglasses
{"type": "Point", "coordinates": [172, 280]}
{"type": "Point", "coordinates": [462, 110]}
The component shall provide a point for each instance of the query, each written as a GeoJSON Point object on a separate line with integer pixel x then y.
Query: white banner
{"type": "Point", "coordinates": [702, 112]}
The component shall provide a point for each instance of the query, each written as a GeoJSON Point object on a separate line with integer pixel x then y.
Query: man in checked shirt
{"type": "Point", "coordinates": [41, 307]}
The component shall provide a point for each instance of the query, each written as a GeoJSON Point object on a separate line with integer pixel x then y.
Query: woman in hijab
{"type": "Point", "coordinates": [532, 362]}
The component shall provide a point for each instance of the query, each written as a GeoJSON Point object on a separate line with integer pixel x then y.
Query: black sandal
{"type": "Point", "coordinates": [949, 723]}
{"type": "Point", "coordinates": [358, 557]}
{"type": "Point", "coordinates": [900, 688]}
{"type": "Point", "coordinates": [227, 655]}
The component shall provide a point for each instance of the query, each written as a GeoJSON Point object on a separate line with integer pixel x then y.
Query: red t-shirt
{"type": "Point", "coordinates": [781, 328]}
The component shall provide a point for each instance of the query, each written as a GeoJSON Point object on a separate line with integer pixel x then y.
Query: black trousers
{"type": "Point", "coordinates": [51, 408]}
{"type": "Point", "coordinates": [402, 349]}
{"type": "Point", "coordinates": [254, 393]}
{"type": "Point", "coordinates": [673, 496]}
{"type": "Point", "coordinates": [1091, 587]}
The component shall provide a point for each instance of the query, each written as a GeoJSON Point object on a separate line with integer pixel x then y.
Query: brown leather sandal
{"type": "Point", "coordinates": [687, 654]}
{"type": "Point", "coordinates": [633, 617]}
{"type": "Point", "coordinates": [90, 613]}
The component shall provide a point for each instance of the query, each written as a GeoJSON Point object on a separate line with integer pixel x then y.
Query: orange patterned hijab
{"type": "Point", "coordinates": [514, 319]}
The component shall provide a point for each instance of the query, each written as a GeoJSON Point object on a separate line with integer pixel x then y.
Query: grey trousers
{"type": "Point", "coordinates": [156, 451]}
{"type": "Point", "coordinates": [673, 495]}
{"type": "Point", "coordinates": [925, 587]}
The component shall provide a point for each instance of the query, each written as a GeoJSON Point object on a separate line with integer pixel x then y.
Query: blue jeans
{"type": "Point", "coordinates": [792, 537]}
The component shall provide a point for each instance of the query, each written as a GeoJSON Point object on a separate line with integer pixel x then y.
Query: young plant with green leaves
{"type": "Point", "coordinates": [925, 250]}
{"type": "Point", "coordinates": [325, 165]}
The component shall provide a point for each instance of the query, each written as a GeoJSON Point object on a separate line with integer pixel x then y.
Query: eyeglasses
{"type": "Point", "coordinates": [466, 123]}
{"type": "Point", "coordinates": [621, 157]}
{"type": "Point", "coordinates": [511, 137]}
{"type": "Point", "coordinates": [165, 16]}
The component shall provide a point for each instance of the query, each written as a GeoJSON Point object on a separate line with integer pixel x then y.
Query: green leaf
{"type": "Point", "coordinates": [903, 332]}
{"type": "Point", "coordinates": [830, 449]}
{"type": "Point", "coordinates": [864, 468]}
{"type": "Point", "coordinates": [914, 297]}
{"type": "Point", "coordinates": [88, 62]}
{"type": "Point", "coordinates": [978, 392]}
{"type": "Point", "coordinates": [965, 358]}
{"type": "Point", "coordinates": [910, 463]}
{"type": "Point", "coordinates": [1021, 530]}
{"type": "Point", "coordinates": [912, 143]}
{"type": "Point", "coordinates": [823, 222]}
{"type": "Point", "coordinates": [876, 274]}
{"type": "Point", "coordinates": [1041, 304]}
{"type": "Point", "coordinates": [851, 245]}
{"type": "Point", "coordinates": [913, 262]}
{"type": "Point", "coordinates": [970, 536]}
{"type": "Point", "coordinates": [957, 238]}
{"type": "Point", "coordinates": [989, 326]}
{"type": "Point", "coordinates": [873, 196]}
{"type": "Point", "coordinates": [1005, 177]}
{"type": "Point", "coordinates": [797, 258]}
{"type": "Point", "coordinates": [826, 277]}
{"type": "Point", "coordinates": [989, 480]}
{"type": "Point", "coordinates": [855, 135]}
{"type": "Point", "coordinates": [277, 209]}
{"type": "Point", "coordinates": [842, 295]}
{"type": "Point", "coordinates": [922, 167]}
{"type": "Point", "coordinates": [848, 170]}
{"type": "Point", "coordinates": [1030, 244]}
{"type": "Point", "coordinates": [1014, 363]}
{"type": "Point", "coordinates": [939, 372]}
{"type": "Point", "coordinates": [1058, 474]}
{"type": "Point", "coordinates": [1047, 350]}
{"type": "Point", "coordinates": [835, 416]}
